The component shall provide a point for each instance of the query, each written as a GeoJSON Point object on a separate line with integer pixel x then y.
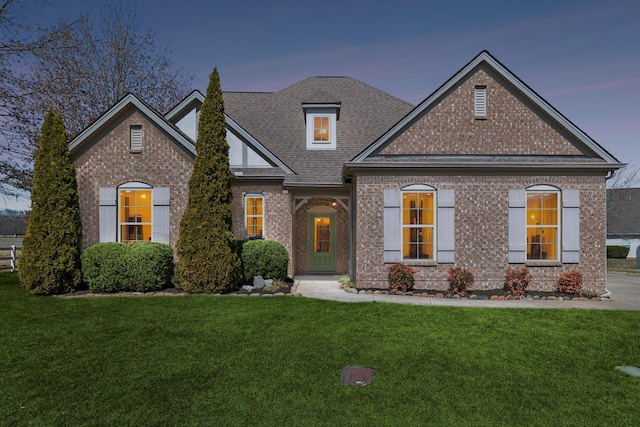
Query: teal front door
{"type": "Point", "coordinates": [322, 241]}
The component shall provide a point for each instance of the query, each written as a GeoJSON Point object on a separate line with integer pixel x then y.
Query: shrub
{"type": "Point", "coordinates": [345, 282]}
{"type": "Point", "coordinates": [277, 285]}
{"type": "Point", "coordinates": [264, 258]}
{"type": "Point", "coordinates": [401, 277]}
{"type": "Point", "coordinates": [114, 267]}
{"type": "Point", "coordinates": [619, 252]}
{"type": "Point", "coordinates": [460, 280]}
{"type": "Point", "coordinates": [570, 282]}
{"type": "Point", "coordinates": [516, 280]}
{"type": "Point", "coordinates": [206, 247]}
{"type": "Point", "coordinates": [50, 258]}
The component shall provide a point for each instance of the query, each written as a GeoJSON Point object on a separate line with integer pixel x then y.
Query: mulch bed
{"type": "Point", "coordinates": [492, 294]}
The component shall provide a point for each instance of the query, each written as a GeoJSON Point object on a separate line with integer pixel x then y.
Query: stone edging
{"type": "Point", "coordinates": [165, 293]}
{"type": "Point", "coordinates": [441, 295]}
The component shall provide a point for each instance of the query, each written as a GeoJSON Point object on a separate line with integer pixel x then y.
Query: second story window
{"type": "Point", "coordinates": [321, 121]}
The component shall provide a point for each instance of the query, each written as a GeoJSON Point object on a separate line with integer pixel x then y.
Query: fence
{"type": "Point", "coordinates": [12, 257]}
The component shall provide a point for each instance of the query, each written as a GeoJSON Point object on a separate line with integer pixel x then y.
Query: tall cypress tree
{"type": "Point", "coordinates": [206, 247]}
{"type": "Point", "coordinates": [50, 259]}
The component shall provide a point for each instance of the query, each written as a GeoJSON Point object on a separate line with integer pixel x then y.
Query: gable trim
{"type": "Point", "coordinates": [179, 109]}
{"type": "Point", "coordinates": [505, 73]}
{"type": "Point", "coordinates": [131, 99]}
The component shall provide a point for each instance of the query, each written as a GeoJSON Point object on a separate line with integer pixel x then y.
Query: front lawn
{"type": "Point", "coordinates": [626, 265]}
{"type": "Point", "coordinates": [210, 360]}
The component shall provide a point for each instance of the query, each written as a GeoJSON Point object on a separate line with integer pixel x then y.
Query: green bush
{"type": "Point", "coordinates": [618, 252]}
{"type": "Point", "coordinates": [460, 280]}
{"type": "Point", "coordinates": [115, 267]}
{"type": "Point", "coordinates": [401, 277]}
{"type": "Point", "coordinates": [264, 258]}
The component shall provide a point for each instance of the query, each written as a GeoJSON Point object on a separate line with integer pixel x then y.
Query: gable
{"type": "Point", "coordinates": [511, 124]}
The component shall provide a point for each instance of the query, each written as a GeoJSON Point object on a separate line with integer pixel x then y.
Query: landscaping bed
{"type": "Point", "coordinates": [493, 294]}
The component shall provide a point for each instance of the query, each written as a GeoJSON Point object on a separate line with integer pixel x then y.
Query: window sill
{"type": "Point", "coordinates": [135, 151]}
{"type": "Point", "coordinates": [416, 263]}
{"type": "Point", "coordinates": [543, 264]}
{"type": "Point", "coordinates": [481, 118]}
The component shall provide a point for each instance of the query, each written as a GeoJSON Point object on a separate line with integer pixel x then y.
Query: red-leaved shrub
{"type": "Point", "coordinates": [460, 279]}
{"type": "Point", "coordinates": [516, 280]}
{"type": "Point", "coordinates": [570, 282]}
{"type": "Point", "coordinates": [400, 277]}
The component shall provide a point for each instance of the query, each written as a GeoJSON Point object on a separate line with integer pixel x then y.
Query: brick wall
{"type": "Point", "coordinates": [277, 214]}
{"type": "Point", "coordinates": [109, 163]}
{"type": "Point", "coordinates": [481, 229]}
{"type": "Point", "coordinates": [511, 126]}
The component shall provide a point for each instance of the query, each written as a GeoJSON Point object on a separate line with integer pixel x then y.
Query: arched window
{"type": "Point", "coordinates": [135, 210]}
{"type": "Point", "coordinates": [418, 222]}
{"type": "Point", "coordinates": [543, 222]}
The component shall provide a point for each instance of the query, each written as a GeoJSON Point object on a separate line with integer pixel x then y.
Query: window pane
{"type": "Point", "coordinates": [322, 235]}
{"type": "Point", "coordinates": [417, 243]}
{"type": "Point", "coordinates": [550, 200]}
{"type": "Point", "coordinates": [321, 128]}
{"type": "Point", "coordinates": [542, 243]}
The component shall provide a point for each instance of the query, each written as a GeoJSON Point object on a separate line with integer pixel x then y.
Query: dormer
{"type": "Point", "coordinates": [321, 119]}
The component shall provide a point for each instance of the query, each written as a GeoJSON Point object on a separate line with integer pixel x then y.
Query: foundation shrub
{"type": "Point", "coordinates": [618, 252]}
{"type": "Point", "coordinates": [401, 277]}
{"type": "Point", "coordinates": [570, 282]}
{"type": "Point", "coordinates": [460, 280]}
{"type": "Point", "coordinates": [516, 280]}
{"type": "Point", "coordinates": [114, 267]}
{"type": "Point", "coordinates": [264, 258]}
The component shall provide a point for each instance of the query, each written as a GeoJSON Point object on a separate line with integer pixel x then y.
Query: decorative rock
{"type": "Point", "coordinates": [281, 294]}
{"type": "Point", "coordinates": [424, 294]}
{"type": "Point", "coordinates": [536, 298]}
{"type": "Point", "coordinates": [267, 295]}
{"type": "Point", "coordinates": [509, 297]}
{"type": "Point", "coordinates": [455, 296]}
{"type": "Point", "coordinates": [255, 294]}
{"type": "Point", "coordinates": [385, 292]}
{"type": "Point", "coordinates": [378, 292]}
{"type": "Point", "coordinates": [474, 297]}
{"type": "Point", "coordinates": [552, 298]}
{"type": "Point", "coordinates": [494, 298]}
{"type": "Point", "coordinates": [370, 292]}
{"type": "Point", "coordinates": [363, 291]}
{"type": "Point", "coordinates": [439, 296]}
{"type": "Point", "coordinates": [580, 299]}
{"type": "Point", "coordinates": [597, 299]}
{"type": "Point", "coordinates": [529, 297]}
{"type": "Point", "coordinates": [502, 298]}
{"type": "Point", "coordinates": [483, 297]}
{"type": "Point", "coordinates": [258, 282]}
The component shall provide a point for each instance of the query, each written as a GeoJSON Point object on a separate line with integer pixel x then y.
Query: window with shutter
{"type": "Point", "coordinates": [136, 138]}
{"type": "Point", "coordinates": [481, 102]}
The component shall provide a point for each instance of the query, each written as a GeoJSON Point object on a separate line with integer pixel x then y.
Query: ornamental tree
{"type": "Point", "coordinates": [208, 261]}
{"type": "Point", "coordinates": [50, 259]}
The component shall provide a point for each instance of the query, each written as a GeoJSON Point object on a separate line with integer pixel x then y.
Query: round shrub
{"type": "Point", "coordinates": [570, 282]}
{"type": "Point", "coordinates": [401, 277]}
{"type": "Point", "coordinates": [516, 280]}
{"type": "Point", "coordinates": [460, 280]}
{"type": "Point", "coordinates": [618, 252]}
{"type": "Point", "coordinates": [114, 267]}
{"type": "Point", "coordinates": [264, 258]}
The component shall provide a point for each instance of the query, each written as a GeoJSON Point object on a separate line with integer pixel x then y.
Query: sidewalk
{"type": "Point", "coordinates": [625, 295]}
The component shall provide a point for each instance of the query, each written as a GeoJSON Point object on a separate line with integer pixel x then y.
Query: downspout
{"type": "Point", "coordinates": [607, 292]}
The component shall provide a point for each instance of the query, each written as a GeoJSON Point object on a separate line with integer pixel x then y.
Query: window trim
{"type": "Point", "coordinates": [420, 189]}
{"type": "Point", "coordinates": [133, 186]}
{"type": "Point", "coordinates": [310, 116]}
{"type": "Point", "coordinates": [247, 216]}
{"type": "Point", "coordinates": [544, 189]}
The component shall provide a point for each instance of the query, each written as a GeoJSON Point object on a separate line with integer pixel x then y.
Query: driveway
{"type": "Point", "coordinates": [625, 295]}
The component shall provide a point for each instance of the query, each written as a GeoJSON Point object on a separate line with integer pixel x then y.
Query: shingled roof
{"type": "Point", "coordinates": [623, 213]}
{"type": "Point", "coordinates": [277, 121]}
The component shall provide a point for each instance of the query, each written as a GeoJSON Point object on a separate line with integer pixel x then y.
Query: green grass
{"type": "Point", "coordinates": [202, 360]}
{"type": "Point", "coordinates": [627, 265]}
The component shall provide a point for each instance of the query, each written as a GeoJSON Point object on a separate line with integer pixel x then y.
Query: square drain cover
{"type": "Point", "coordinates": [631, 370]}
{"type": "Point", "coordinates": [357, 375]}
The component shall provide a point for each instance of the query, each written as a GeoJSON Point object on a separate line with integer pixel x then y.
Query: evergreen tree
{"type": "Point", "coordinates": [206, 247]}
{"type": "Point", "coordinates": [50, 259]}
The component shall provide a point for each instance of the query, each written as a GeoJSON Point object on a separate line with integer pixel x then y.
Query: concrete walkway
{"type": "Point", "coordinates": [625, 295]}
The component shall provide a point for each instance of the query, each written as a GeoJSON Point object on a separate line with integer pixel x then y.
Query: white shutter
{"type": "Point", "coordinates": [517, 226]}
{"type": "Point", "coordinates": [392, 225]}
{"type": "Point", "coordinates": [481, 101]}
{"type": "Point", "coordinates": [108, 214]}
{"type": "Point", "coordinates": [161, 214]}
{"type": "Point", "coordinates": [136, 138]}
{"type": "Point", "coordinates": [446, 227]}
{"type": "Point", "coordinates": [571, 226]}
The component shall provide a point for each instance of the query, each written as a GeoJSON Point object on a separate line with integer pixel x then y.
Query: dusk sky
{"type": "Point", "coordinates": [582, 56]}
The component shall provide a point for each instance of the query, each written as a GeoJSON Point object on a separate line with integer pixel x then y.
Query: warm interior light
{"type": "Point", "coordinates": [144, 196]}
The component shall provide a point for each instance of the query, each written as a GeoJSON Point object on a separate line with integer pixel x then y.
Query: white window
{"type": "Point", "coordinates": [254, 214]}
{"type": "Point", "coordinates": [480, 102]}
{"type": "Point", "coordinates": [543, 219]}
{"type": "Point", "coordinates": [136, 138]}
{"type": "Point", "coordinates": [418, 225]}
{"type": "Point", "coordinates": [135, 209]}
{"type": "Point", "coordinates": [321, 128]}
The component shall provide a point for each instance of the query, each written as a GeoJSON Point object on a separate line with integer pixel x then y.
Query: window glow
{"type": "Point", "coordinates": [542, 225]}
{"type": "Point", "coordinates": [254, 215]}
{"type": "Point", "coordinates": [321, 129]}
{"type": "Point", "coordinates": [418, 222]}
{"type": "Point", "coordinates": [135, 215]}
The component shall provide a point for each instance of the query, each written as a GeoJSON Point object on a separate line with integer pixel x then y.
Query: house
{"type": "Point", "coordinates": [482, 174]}
{"type": "Point", "coordinates": [623, 221]}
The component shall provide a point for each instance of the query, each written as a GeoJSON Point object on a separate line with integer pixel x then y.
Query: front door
{"type": "Point", "coordinates": [322, 239]}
